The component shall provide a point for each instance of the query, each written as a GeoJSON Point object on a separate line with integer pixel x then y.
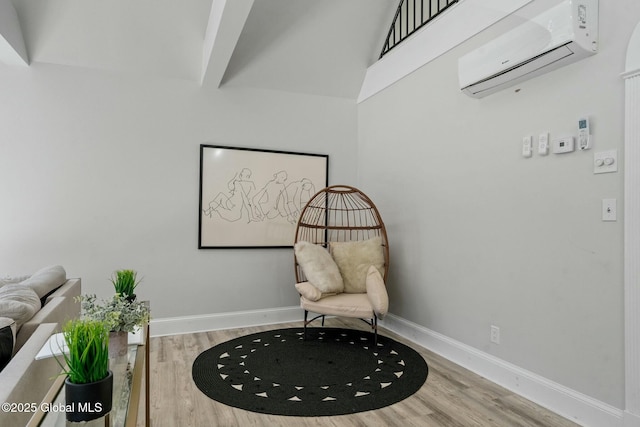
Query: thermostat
{"type": "Point", "coordinates": [566, 144]}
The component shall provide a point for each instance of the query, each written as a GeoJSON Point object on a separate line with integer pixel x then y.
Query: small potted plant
{"type": "Point", "coordinates": [89, 382]}
{"type": "Point", "coordinates": [119, 314]}
{"type": "Point", "coordinates": [125, 282]}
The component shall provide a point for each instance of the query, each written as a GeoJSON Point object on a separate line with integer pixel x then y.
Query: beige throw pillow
{"type": "Point", "coordinates": [354, 259]}
{"type": "Point", "coordinates": [377, 292]}
{"type": "Point", "coordinates": [319, 268]}
{"type": "Point", "coordinates": [308, 291]}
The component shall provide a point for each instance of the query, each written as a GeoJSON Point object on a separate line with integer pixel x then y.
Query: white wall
{"type": "Point", "coordinates": [100, 171]}
{"type": "Point", "coordinates": [481, 236]}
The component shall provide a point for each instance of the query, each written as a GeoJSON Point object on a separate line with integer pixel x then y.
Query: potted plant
{"type": "Point", "coordinates": [125, 282]}
{"type": "Point", "coordinates": [89, 382]}
{"type": "Point", "coordinates": [119, 314]}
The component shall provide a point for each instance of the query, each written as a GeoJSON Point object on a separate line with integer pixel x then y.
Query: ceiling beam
{"type": "Point", "coordinates": [13, 50]}
{"type": "Point", "coordinates": [226, 21]}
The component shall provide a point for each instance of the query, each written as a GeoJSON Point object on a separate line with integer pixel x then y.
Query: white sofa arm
{"type": "Point", "coordinates": [25, 379]}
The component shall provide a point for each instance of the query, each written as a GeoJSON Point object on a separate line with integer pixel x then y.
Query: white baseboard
{"type": "Point", "coordinates": [212, 322]}
{"type": "Point", "coordinates": [575, 406]}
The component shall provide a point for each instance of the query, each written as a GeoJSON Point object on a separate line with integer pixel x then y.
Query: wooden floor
{"type": "Point", "coordinates": [451, 396]}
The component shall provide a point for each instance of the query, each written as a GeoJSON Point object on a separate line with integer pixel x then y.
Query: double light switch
{"type": "Point", "coordinates": [605, 161]}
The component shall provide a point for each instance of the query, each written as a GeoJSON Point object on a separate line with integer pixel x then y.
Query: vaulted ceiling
{"type": "Point", "coordinates": [319, 47]}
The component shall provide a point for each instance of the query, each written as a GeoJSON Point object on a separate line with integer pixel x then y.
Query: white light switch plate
{"type": "Point", "coordinates": [543, 143]}
{"type": "Point", "coordinates": [605, 161]}
{"type": "Point", "coordinates": [527, 149]}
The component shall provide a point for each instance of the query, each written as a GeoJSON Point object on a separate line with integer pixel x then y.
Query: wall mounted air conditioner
{"type": "Point", "coordinates": [561, 35]}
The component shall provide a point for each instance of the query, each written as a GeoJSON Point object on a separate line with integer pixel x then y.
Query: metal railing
{"type": "Point", "coordinates": [410, 16]}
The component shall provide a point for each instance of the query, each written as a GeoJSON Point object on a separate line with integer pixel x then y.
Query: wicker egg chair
{"type": "Point", "coordinates": [342, 213]}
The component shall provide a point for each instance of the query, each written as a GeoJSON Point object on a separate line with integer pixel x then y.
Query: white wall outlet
{"type": "Point", "coordinates": [495, 334]}
{"type": "Point", "coordinates": [609, 210]}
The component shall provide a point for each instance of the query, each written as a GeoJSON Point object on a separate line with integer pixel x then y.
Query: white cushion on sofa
{"type": "Point", "coordinates": [6, 280]}
{"type": "Point", "coordinates": [46, 280]}
{"type": "Point", "coordinates": [18, 302]}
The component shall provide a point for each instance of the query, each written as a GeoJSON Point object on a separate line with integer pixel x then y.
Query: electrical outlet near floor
{"type": "Point", "coordinates": [495, 334]}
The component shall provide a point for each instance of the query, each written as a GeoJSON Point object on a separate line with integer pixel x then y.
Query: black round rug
{"type": "Point", "coordinates": [333, 372]}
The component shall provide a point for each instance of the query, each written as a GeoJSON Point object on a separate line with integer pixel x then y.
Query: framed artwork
{"type": "Point", "coordinates": [251, 198]}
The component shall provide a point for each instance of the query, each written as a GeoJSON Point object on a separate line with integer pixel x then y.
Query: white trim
{"type": "Point", "coordinates": [562, 400]}
{"type": "Point", "coordinates": [631, 73]}
{"type": "Point", "coordinates": [231, 320]}
{"type": "Point", "coordinates": [461, 22]}
{"type": "Point", "coordinates": [632, 233]}
{"type": "Point", "coordinates": [633, 50]}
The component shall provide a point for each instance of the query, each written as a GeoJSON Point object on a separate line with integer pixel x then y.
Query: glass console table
{"type": "Point", "coordinates": [128, 371]}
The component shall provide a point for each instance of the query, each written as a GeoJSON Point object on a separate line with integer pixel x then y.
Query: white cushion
{"type": "Point", "coordinates": [318, 267]}
{"type": "Point", "coordinates": [347, 305]}
{"type": "Point", "coordinates": [355, 258]}
{"type": "Point", "coordinates": [19, 303]}
{"type": "Point", "coordinates": [6, 280]}
{"type": "Point", "coordinates": [46, 280]}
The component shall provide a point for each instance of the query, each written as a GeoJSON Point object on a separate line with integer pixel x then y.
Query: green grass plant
{"type": "Point", "coordinates": [125, 281]}
{"type": "Point", "coordinates": [88, 357]}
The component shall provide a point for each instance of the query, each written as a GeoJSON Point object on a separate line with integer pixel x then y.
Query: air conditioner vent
{"type": "Point", "coordinates": [557, 37]}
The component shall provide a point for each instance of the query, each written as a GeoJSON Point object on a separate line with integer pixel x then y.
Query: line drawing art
{"type": "Point", "coordinates": [275, 199]}
{"type": "Point", "coordinates": [269, 202]}
{"type": "Point", "coordinates": [252, 198]}
{"type": "Point", "coordinates": [298, 194]}
{"type": "Point", "coordinates": [232, 206]}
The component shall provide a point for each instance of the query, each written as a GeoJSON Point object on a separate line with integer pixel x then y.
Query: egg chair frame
{"type": "Point", "coordinates": [340, 213]}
